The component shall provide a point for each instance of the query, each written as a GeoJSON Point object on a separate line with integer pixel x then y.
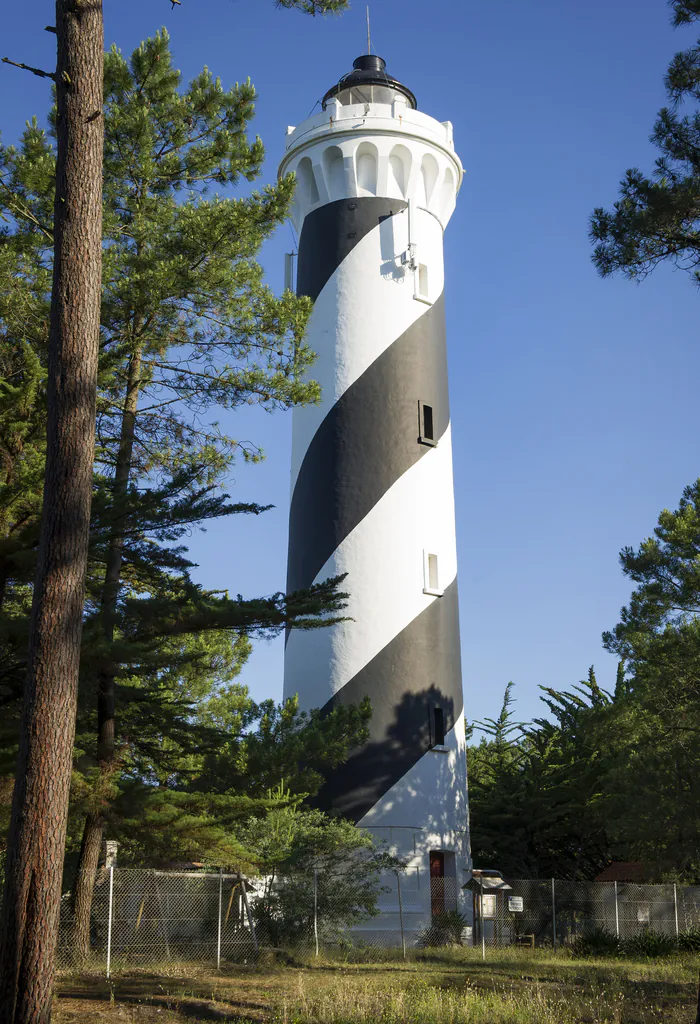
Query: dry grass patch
{"type": "Point", "coordinates": [452, 987]}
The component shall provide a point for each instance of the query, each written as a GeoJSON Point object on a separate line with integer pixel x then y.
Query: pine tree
{"type": "Point", "coordinates": [655, 798]}
{"type": "Point", "coordinates": [52, 690]}
{"type": "Point", "coordinates": [191, 797]}
{"type": "Point", "coordinates": [494, 780]}
{"type": "Point", "coordinates": [657, 217]}
{"type": "Point", "coordinates": [23, 321]}
{"type": "Point", "coordinates": [190, 323]}
{"type": "Point", "coordinates": [535, 789]}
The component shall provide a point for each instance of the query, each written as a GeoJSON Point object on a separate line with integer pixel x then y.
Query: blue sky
{"type": "Point", "coordinates": [574, 400]}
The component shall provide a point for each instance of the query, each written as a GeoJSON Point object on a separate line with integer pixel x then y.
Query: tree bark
{"type": "Point", "coordinates": [93, 831]}
{"type": "Point", "coordinates": [34, 866]}
{"type": "Point", "coordinates": [84, 887]}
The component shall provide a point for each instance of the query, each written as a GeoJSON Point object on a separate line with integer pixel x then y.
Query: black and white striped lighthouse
{"type": "Point", "coordinates": [372, 492]}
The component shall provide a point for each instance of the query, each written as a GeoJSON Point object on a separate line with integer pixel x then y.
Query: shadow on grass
{"type": "Point", "coordinates": [184, 996]}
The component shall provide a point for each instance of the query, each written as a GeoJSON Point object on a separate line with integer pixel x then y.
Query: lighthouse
{"type": "Point", "coordinates": [371, 482]}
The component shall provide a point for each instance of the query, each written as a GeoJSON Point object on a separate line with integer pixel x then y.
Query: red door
{"type": "Point", "coordinates": [437, 883]}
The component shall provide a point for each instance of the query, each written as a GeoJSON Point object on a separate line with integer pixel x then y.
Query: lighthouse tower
{"type": "Point", "coordinates": [371, 491]}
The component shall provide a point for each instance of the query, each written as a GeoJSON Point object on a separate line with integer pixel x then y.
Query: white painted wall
{"type": "Point", "coordinates": [414, 157]}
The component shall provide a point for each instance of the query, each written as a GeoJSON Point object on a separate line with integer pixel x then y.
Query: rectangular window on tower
{"type": "Point", "coordinates": [438, 736]}
{"type": "Point", "coordinates": [426, 425]}
{"type": "Point", "coordinates": [431, 575]}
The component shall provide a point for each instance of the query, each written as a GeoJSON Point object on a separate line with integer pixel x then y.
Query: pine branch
{"type": "Point", "coordinates": [27, 67]}
{"type": "Point", "coordinates": [25, 212]}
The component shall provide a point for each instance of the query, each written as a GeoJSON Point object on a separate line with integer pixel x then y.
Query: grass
{"type": "Point", "coordinates": [431, 987]}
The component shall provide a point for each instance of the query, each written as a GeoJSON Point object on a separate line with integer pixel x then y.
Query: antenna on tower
{"type": "Point", "coordinates": [369, 44]}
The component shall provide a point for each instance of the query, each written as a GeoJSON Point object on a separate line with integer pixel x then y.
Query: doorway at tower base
{"type": "Point", "coordinates": [437, 868]}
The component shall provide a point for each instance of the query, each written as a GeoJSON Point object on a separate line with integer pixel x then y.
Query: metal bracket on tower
{"type": "Point", "coordinates": [408, 258]}
{"type": "Point", "coordinates": [289, 271]}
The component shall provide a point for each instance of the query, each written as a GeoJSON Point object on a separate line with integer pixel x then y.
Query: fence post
{"type": "Point", "coordinates": [251, 923]}
{"type": "Point", "coordinates": [481, 915]}
{"type": "Point", "coordinates": [163, 918]}
{"type": "Point", "coordinates": [316, 909]}
{"type": "Point", "coordinates": [554, 919]}
{"type": "Point", "coordinates": [403, 939]}
{"type": "Point", "coordinates": [617, 914]}
{"type": "Point", "coordinates": [675, 906]}
{"type": "Point", "coordinates": [109, 919]}
{"type": "Point", "coordinates": [218, 935]}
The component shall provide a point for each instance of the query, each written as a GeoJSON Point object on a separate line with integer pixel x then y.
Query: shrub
{"type": "Point", "coordinates": [650, 943]}
{"type": "Point", "coordinates": [596, 942]}
{"type": "Point", "coordinates": [689, 942]}
{"type": "Point", "coordinates": [445, 929]}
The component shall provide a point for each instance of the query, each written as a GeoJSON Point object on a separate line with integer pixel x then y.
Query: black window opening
{"type": "Point", "coordinates": [438, 729]}
{"type": "Point", "coordinates": [426, 425]}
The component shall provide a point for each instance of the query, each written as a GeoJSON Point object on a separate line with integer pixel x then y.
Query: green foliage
{"type": "Point", "coordinates": [314, 7]}
{"type": "Point", "coordinates": [657, 218]}
{"type": "Point", "coordinates": [609, 776]}
{"type": "Point", "coordinates": [445, 929]}
{"type": "Point", "coordinates": [596, 942]}
{"type": "Point", "coordinates": [534, 789]}
{"type": "Point", "coordinates": [183, 290]}
{"type": "Point", "coordinates": [685, 11]}
{"type": "Point", "coordinates": [650, 943]}
{"type": "Point", "coordinates": [689, 941]}
{"type": "Point", "coordinates": [657, 723]}
{"type": "Point", "coordinates": [666, 571]}
{"type": "Point", "coordinates": [288, 747]}
{"type": "Point", "coordinates": [194, 769]}
{"type": "Point", "coordinates": [312, 860]}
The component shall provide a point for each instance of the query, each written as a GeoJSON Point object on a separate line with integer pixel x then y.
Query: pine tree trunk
{"type": "Point", "coordinates": [34, 865]}
{"type": "Point", "coordinates": [84, 887]}
{"type": "Point", "coordinates": [93, 831]}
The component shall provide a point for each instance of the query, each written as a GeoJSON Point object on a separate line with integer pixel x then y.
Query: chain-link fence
{"type": "Point", "coordinates": [555, 913]}
{"type": "Point", "coordinates": [147, 917]}
{"type": "Point", "coordinates": [141, 917]}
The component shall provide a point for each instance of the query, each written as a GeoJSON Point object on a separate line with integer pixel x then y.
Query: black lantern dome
{"type": "Point", "coordinates": [368, 82]}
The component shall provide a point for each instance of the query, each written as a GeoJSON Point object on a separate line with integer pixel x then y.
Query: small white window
{"type": "Point", "coordinates": [422, 283]}
{"type": "Point", "coordinates": [643, 913]}
{"type": "Point", "coordinates": [431, 574]}
{"type": "Point", "coordinates": [423, 280]}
